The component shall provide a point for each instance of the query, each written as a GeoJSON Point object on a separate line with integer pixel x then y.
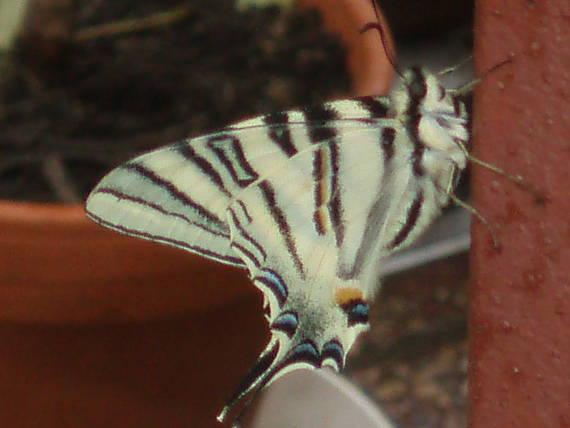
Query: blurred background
{"type": "Point", "coordinates": [87, 84]}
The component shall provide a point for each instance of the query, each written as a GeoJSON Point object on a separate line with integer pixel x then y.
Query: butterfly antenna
{"type": "Point", "coordinates": [455, 67]}
{"type": "Point", "coordinates": [378, 27]}
{"type": "Point", "coordinates": [468, 87]}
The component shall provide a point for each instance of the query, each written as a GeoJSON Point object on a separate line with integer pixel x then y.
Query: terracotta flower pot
{"type": "Point", "coordinates": [102, 330]}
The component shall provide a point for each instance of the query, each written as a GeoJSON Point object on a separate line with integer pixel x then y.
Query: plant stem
{"type": "Point", "coordinates": [131, 25]}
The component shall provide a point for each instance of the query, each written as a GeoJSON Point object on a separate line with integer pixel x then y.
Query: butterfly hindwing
{"type": "Point", "coordinates": [312, 233]}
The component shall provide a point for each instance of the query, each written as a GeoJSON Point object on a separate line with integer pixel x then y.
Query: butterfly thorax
{"type": "Point", "coordinates": [435, 118]}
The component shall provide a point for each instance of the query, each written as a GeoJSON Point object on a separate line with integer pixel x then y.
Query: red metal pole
{"type": "Point", "coordinates": [519, 370]}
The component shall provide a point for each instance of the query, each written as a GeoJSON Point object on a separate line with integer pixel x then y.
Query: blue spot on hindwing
{"type": "Point", "coordinates": [286, 322]}
{"type": "Point", "coordinates": [275, 283]}
{"type": "Point", "coordinates": [356, 311]}
{"type": "Point", "coordinates": [333, 350]}
{"type": "Point", "coordinates": [304, 352]}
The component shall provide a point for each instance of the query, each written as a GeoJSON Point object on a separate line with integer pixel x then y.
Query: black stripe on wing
{"type": "Point", "coordinates": [229, 152]}
{"type": "Point", "coordinates": [319, 175]}
{"type": "Point", "coordinates": [279, 132]}
{"type": "Point", "coordinates": [411, 220]}
{"type": "Point", "coordinates": [188, 152]}
{"type": "Point", "coordinates": [278, 215]}
{"type": "Point", "coordinates": [245, 254]}
{"type": "Point", "coordinates": [173, 242]}
{"type": "Point", "coordinates": [335, 204]}
{"type": "Point", "coordinates": [318, 120]}
{"type": "Point", "coordinates": [245, 211]}
{"type": "Point", "coordinates": [380, 209]}
{"type": "Point", "coordinates": [255, 375]}
{"type": "Point", "coordinates": [150, 205]}
{"type": "Point", "coordinates": [387, 142]}
{"type": "Point", "coordinates": [243, 234]}
{"type": "Point", "coordinates": [417, 90]}
{"type": "Point", "coordinates": [174, 192]}
{"type": "Point", "coordinates": [374, 106]}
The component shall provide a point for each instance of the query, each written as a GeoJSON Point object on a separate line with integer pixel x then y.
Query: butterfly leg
{"type": "Point", "coordinates": [517, 179]}
{"type": "Point", "coordinates": [482, 219]}
{"type": "Point", "coordinates": [449, 191]}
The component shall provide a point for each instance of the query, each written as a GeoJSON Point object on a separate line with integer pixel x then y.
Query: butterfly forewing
{"type": "Point", "coordinates": [178, 195]}
{"type": "Point", "coordinates": [164, 197]}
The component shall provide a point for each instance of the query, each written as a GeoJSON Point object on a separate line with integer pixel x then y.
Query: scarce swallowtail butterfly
{"type": "Point", "coordinates": [309, 201]}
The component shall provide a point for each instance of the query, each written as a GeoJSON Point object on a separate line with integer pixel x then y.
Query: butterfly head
{"type": "Point", "coordinates": [435, 116]}
{"type": "Point", "coordinates": [308, 330]}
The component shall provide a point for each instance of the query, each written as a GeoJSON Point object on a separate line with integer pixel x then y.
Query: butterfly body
{"type": "Point", "coordinates": [310, 201]}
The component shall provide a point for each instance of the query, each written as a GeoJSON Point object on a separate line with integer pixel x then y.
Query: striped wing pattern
{"type": "Point", "coordinates": [179, 195]}
{"type": "Point", "coordinates": [308, 200]}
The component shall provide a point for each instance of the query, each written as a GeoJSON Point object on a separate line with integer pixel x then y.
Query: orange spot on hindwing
{"type": "Point", "coordinates": [343, 296]}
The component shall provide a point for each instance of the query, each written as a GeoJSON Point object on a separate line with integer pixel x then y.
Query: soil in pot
{"type": "Point", "coordinates": [112, 94]}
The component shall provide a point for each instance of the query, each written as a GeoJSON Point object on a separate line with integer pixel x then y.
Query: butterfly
{"type": "Point", "coordinates": [310, 201]}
